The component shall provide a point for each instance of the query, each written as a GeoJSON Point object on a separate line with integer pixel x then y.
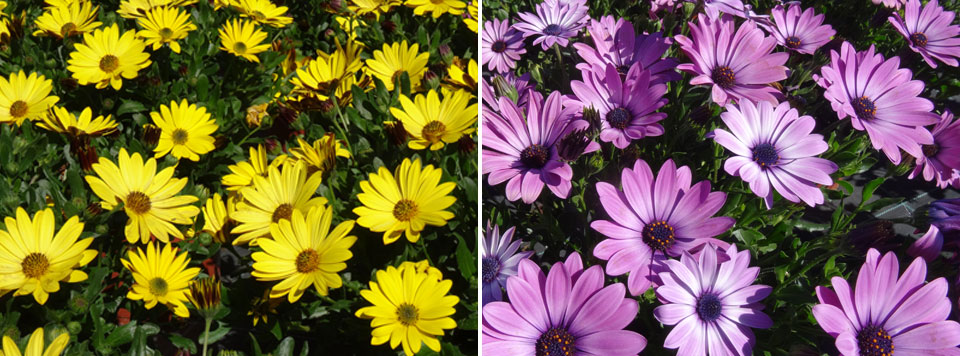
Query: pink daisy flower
{"type": "Point", "coordinates": [800, 32]}
{"type": "Point", "coordinates": [930, 32]}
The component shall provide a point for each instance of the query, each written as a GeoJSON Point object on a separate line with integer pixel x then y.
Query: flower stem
{"type": "Point", "coordinates": [206, 334]}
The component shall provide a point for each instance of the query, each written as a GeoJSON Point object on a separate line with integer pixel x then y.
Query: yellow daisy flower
{"type": "Point", "coordinates": [243, 172]}
{"type": "Point", "coordinates": [321, 156]}
{"type": "Point", "coordinates": [105, 57]}
{"type": "Point", "coordinates": [185, 130]}
{"type": "Point", "coordinates": [263, 12]}
{"type": "Point", "coordinates": [460, 79]}
{"type": "Point", "coordinates": [149, 198]}
{"type": "Point", "coordinates": [431, 122]}
{"type": "Point", "coordinates": [160, 276]}
{"type": "Point", "coordinates": [165, 25]}
{"type": "Point", "coordinates": [436, 7]}
{"type": "Point", "coordinates": [471, 21]}
{"type": "Point", "coordinates": [274, 198]}
{"type": "Point", "coordinates": [316, 78]}
{"type": "Point", "coordinates": [35, 345]}
{"type": "Point", "coordinates": [132, 9]}
{"type": "Point", "coordinates": [242, 39]}
{"type": "Point", "coordinates": [405, 204]}
{"type": "Point", "coordinates": [262, 307]}
{"type": "Point", "coordinates": [48, 4]}
{"type": "Point", "coordinates": [219, 4]}
{"type": "Point", "coordinates": [63, 121]}
{"type": "Point", "coordinates": [349, 25]}
{"type": "Point", "coordinates": [25, 97]}
{"type": "Point", "coordinates": [68, 20]}
{"type": "Point", "coordinates": [217, 219]}
{"type": "Point", "coordinates": [410, 307]}
{"type": "Point", "coordinates": [375, 7]}
{"type": "Point", "coordinates": [303, 251]}
{"type": "Point", "coordinates": [34, 260]}
{"type": "Point", "coordinates": [395, 59]}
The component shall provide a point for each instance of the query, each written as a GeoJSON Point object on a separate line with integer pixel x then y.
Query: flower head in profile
{"type": "Point", "coordinates": [243, 39]}
{"type": "Point", "coordinates": [737, 62]}
{"type": "Point", "coordinates": [433, 122]}
{"type": "Point", "coordinates": [185, 130]}
{"type": "Point", "coordinates": [217, 220]}
{"type": "Point", "coordinates": [774, 147]}
{"type": "Point", "coordinates": [880, 98]}
{"type": "Point", "coordinates": [133, 9]}
{"type": "Point", "coordinates": [462, 75]}
{"type": "Point", "coordinates": [161, 277]}
{"type": "Point", "coordinates": [395, 59]}
{"type": "Point", "coordinates": [375, 7]}
{"type": "Point", "coordinates": [411, 307]}
{"type": "Point", "coordinates": [321, 156]}
{"type": "Point", "coordinates": [329, 73]}
{"type": "Point", "coordinates": [242, 173]}
{"type": "Point", "coordinates": [25, 97]}
{"type": "Point", "coordinates": [275, 197]}
{"type": "Point", "coordinates": [71, 19]}
{"type": "Point", "coordinates": [63, 121]}
{"type": "Point", "coordinates": [929, 30]}
{"type": "Point", "coordinates": [615, 43]}
{"type": "Point", "coordinates": [263, 12]}
{"type": "Point", "coordinates": [555, 22]}
{"type": "Point", "coordinates": [436, 7]}
{"type": "Point", "coordinates": [801, 32]}
{"type": "Point", "coordinates": [165, 25]}
{"type": "Point", "coordinates": [106, 57]}
{"type": "Point", "coordinates": [34, 259]}
{"type": "Point", "coordinates": [515, 88]}
{"type": "Point", "coordinates": [567, 311]}
{"type": "Point", "coordinates": [944, 215]}
{"type": "Point", "coordinates": [499, 260]}
{"type": "Point", "coordinates": [712, 302]}
{"type": "Point", "coordinates": [502, 45]}
{"type": "Point", "coordinates": [35, 345]}
{"type": "Point", "coordinates": [886, 311]}
{"type": "Point", "coordinates": [655, 218]}
{"type": "Point", "coordinates": [205, 296]}
{"type": "Point", "coordinates": [941, 159]}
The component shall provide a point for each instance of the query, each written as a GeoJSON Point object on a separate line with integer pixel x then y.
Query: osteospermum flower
{"type": "Point", "coordinates": [275, 197]}
{"type": "Point", "coordinates": [375, 7]}
{"type": "Point", "coordinates": [132, 9]}
{"type": "Point", "coordinates": [431, 122]}
{"type": "Point", "coordinates": [886, 312]}
{"type": "Point", "coordinates": [944, 217]}
{"type": "Point", "coordinates": [106, 57]}
{"type": "Point", "coordinates": [800, 32]}
{"type": "Point", "coordinates": [322, 155]}
{"type": "Point", "coordinates": [737, 63]}
{"type": "Point", "coordinates": [61, 120]}
{"type": "Point", "coordinates": [474, 13]}
{"type": "Point", "coordinates": [69, 20]}
{"type": "Point", "coordinates": [895, 4]}
{"type": "Point", "coordinates": [185, 130]}
{"type": "Point", "coordinates": [436, 7]}
{"type": "Point", "coordinates": [773, 146]}
{"type": "Point", "coordinates": [410, 307]}
{"type": "Point", "coordinates": [941, 159]}
{"type": "Point", "coordinates": [263, 12]}
{"type": "Point", "coordinates": [243, 39]}
{"type": "Point", "coordinates": [567, 312]}
{"type": "Point", "coordinates": [929, 31]}
{"type": "Point", "coordinates": [35, 345]}
{"type": "Point", "coordinates": [396, 58]}
{"type": "Point", "coordinates": [462, 74]}
{"type": "Point", "coordinates": [712, 302]}
{"type": "Point", "coordinates": [25, 97]}
{"type": "Point", "coordinates": [501, 84]}
{"type": "Point", "coordinates": [615, 43]}
{"type": "Point", "coordinates": [499, 260]}
{"type": "Point", "coordinates": [243, 172]}
{"type": "Point", "coordinates": [303, 252]}
{"type": "Point", "coordinates": [502, 45]}
{"type": "Point", "coordinates": [880, 98]}
{"type": "Point", "coordinates": [160, 276]}
{"type": "Point", "coordinates": [405, 201]}
{"type": "Point", "coordinates": [165, 25]}
{"type": "Point", "coordinates": [555, 22]}
{"type": "Point", "coordinates": [655, 218]}
{"type": "Point", "coordinates": [217, 217]}
{"type": "Point", "coordinates": [34, 260]}
{"type": "Point", "coordinates": [149, 198]}
{"type": "Point", "coordinates": [626, 106]}
{"type": "Point", "coordinates": [319, 76]}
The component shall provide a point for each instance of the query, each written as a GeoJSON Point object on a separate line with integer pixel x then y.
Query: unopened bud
{"type": "Point", "coordinates": [572, 146]}
{"type": "Point", "coordinates": [593, 117]}
{"type": "Point", "coordinates": [501, 87]}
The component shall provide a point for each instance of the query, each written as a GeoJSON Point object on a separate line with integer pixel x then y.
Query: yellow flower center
{"type": "Point", "coordinates": [67, 29]}
{"type": "Point", "coordinates": [166, 33]}
{"type": "Point", "coordinates": [433, 131]}
{"type": "Point", "coordinates": [405, 210]}
{"type": "Point", "coordinates": [284, 211]}
{"type": "Point", "coordinates": [35, 265]}
{"type": "Point", "coordinates": [138, 202]}
{"type": "Point", "coordinates": [179, 136]}
{"type": "Point", "coordinates": [240, 47]}
{"type": "Point", "coordinates": [19, 109]}
{"type": "Point", "coordinates": [109, 63]}
{"type": "Point", "coordinates": [308, 261]}
{"type": "Point", "coordinates": [158, 287]}
{"type": "Point", "coordinates": [407, 314]}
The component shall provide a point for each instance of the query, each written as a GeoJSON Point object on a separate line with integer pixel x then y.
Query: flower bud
{"type": "Point", "coordinates": [572, 146]}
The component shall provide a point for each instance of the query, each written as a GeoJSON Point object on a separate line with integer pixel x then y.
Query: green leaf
{"type": "Point", "coordinates": [285, 348]}
{"type": "Point", "coordinates": [122, 335]}
{"type": "Point", "coordinates": [465, 259]}
{"type": "Point", "coordinates": [870, 188]}
{"type": "Point", "coordinates": [130, 106]}
{"type": "Point", "coordinates": [219, 333]}
{"type": "Point", "coordinates": [183, 343]}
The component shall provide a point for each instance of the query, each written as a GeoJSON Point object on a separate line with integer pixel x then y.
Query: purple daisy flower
{"type": "Point", "coordinates": [887, 312]}
{"type": "Point", "coordinates": [627, 107]}
{"type": "Point", "coordinates": [737, 63]}
{"type": "Point", "coordinates": [800, 32]}
{"type": "Point", "coordinates": [655, 218]}
{"type": "Point", "coordinates": [930, 32]}
{"type": "Point", "coordinates": [500, 83]}
{"type": "Point", "coordinates": [775, 147]}
{"type": "Point", "coordinates": [616, 43]}
{"type": "Point", "coordinates": [521, 149]}
{"type": "Point", "coordinates": [941, 159]}
{"type": "Point", "coordinates": [499, 259]}
{"type": "Point", "coordinates": [567, 312]}
{"type": "Point", "coordinates": [879, 97]}
{"type": "Point", "coordinates": [713, 303]}
{"type": "Point", "coordinates": [502, 45]}
{"type": "Point", "coordinates": [944, 229]}
{"type": "Point", "coordinates": [893, 4]}
{"type": "Point", "coordinates": [733, 7]}
{"type": "Point", "coordinates": [555, 22]}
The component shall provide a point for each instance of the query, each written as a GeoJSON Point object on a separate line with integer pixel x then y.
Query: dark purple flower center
{"type": "Point", "coordinates": [864, 108]}
{"type": "Point", "coordinates": [793, 42]}
{"type": "Point", "coordinates": [491, 269]}
{"type": "Point", "coordinates": [535, 156]}
{"type": "Point", "coordinates": [919, 39]}
{"type": "Point", "coordinates": [553, 30]}
{"type": "Point", "coordinates": [619, 118]}
{"type": "Point", "coordinates": [499, 46]}
{"type": "Point", "coordinates": [659, 235]}
{"type": "Point", "coordinates": [874, 341]}
{"type": "Point", "coordinates": [556, 342]}
{"type": "Point", "coordinates": [724, 77]}
{"type": "Point", "coordinates": [765, 155]}
{"type": "Point", "coordinates": [930, 150]}
{"type": "Point", "coordinates": [709, 307]}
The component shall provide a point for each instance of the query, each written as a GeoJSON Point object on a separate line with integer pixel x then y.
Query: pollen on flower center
{"type": "Point", "coordinates": [499, 46]}
{"type": "Point", "coordinates": [19, 109]}
{"type": "Point", "coordinates": [535, 156]}
{"type": "Point", "coordinates": [553, 30]}
{"type": "Point", "coordinates": [284, 211]}
{"type": "Point", "coordinates": [179, 136]}
{"type": "Point", "coordinates": [724, 77]}
{"type": "Point", "coordinates": [930, 150]}
{"type": "Point", "coordinates": [166, 33]}
{"type": "Point", "coordinates": [864, 107]}
{"type": "Point", "coordinates": [556, 342]}
{"type": "Point", "coordinates": [308, 261]}
{"type": "Point", "coordinates": [35, 265]}
{"type": "Point", "coordinates": [67, 29]}
{"type": "Point", "coordinates": [765, 155]}
{"type": "Point", "coordinates": [240, 47]}
{"type": "Point", "coordinates": [109, 63]}
{"type": "Point", "coordinates": [709, 307]}
{"type": "Point", "coordinates": [491, 269]}
{"type": "Point", "coordinates": [137, 202]}
{"type": "Point", "coordinates": [407, 314]}
{"type": "Point", "coordinates": [433, 131]}
{"type": "Point", "coordinates": [405, 210]}
{"type": "Point", "coordinates": [158, 287]}
{"type": "Point", "coordinates": [618, 118]}
{"type": "Point", "coordinates": [874, 341]}
{"type": "Point", "coordinates": [919, 39]}
{"type": "Point", "coordinates": [793, 42]}
{"type": "Point", "coordinates": [659, 235]}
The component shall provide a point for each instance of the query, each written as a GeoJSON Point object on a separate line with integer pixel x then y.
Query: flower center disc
{"type": "Point", "coordinates": [433, 131]}
{"type": "Point", "coordinates": [158, 287]}
{"type": "Point", "coordinates": [308, 261]}
{"type": "Point", "coordinates": [240, 47]}
{"type": "Point", "coordinates": [166, 33]}
{"type": "Point", "coordinates": [874, 341]}
{"type": "Point", "coordinates": [179, 136]}
{"type": "Point", "coordinates": [793, 42]}
{"type": "Point", "coordinates": [498, 46]}
{"type": "Point", "coordinates": [658, 235]}
{"type": "Point", "coordinates": [405, 210]}
{"type": "Point", "coordinates": [724, 77]}
{"type": "Point", "coordinates": [491, 269]}
{"type": "Point", "coordinates": [864, 108]}
{"type": "Point", "coordinates": [534, 156]}
{"type": "Point", "coordinates": [919, 39]}
{"type": "Point", "coordinates": [930, 150]}
{"type": "Point", "coordinates": [618, 118]}
{"type": "Point", "coordinates": [109, 63]}
{"type": "Point", "coordinates": [138, 202]}
{"type": "Point", "coordinates": [765, 155]}
{"type": "Point", "coordinates": [35, 265]}
{"type": "Point", "coordinates": [284, 211]}
{"type": "Point", "coordinates": [709, 307]}
{"type": "Point", "coordinates": [556, 342]}
{"type": "Point", "coordinates": [552, 30]}
{"type": "Point", "coordinates": [407, 314]}
{"type": "Point", "coordinates": [67, 29]}
{"type": "Point", "coordinates": [19, 109]}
